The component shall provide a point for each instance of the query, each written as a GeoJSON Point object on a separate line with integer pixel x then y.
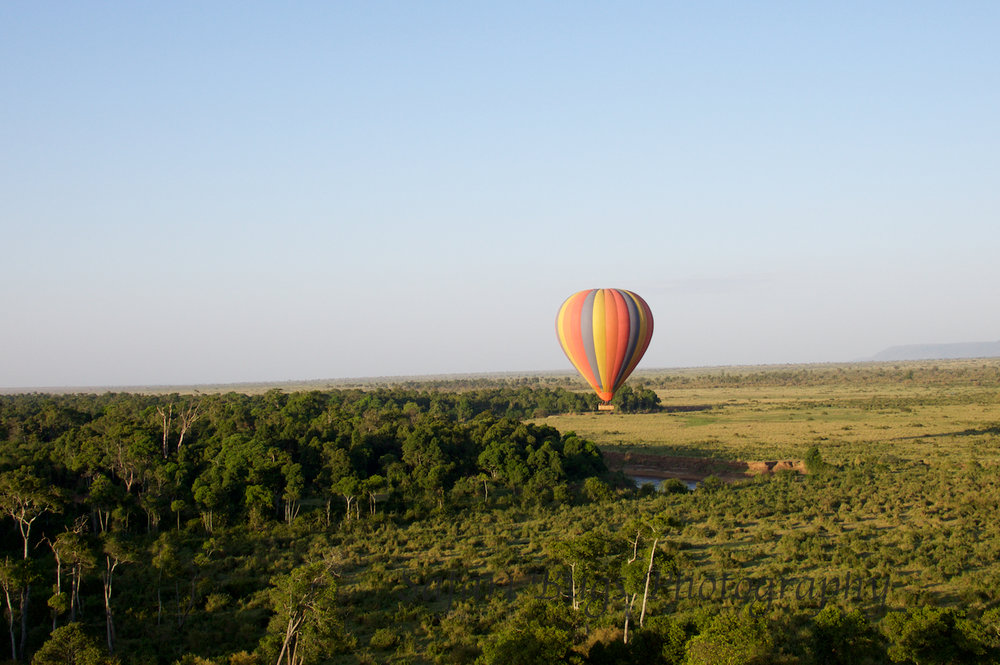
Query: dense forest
{"type": "Point", "coordinates": [409, 525]}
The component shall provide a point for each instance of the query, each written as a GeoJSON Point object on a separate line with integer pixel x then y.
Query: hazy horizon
{"type": "Point", "coordinates": [333, 383]}
{"type": "Point", "coordinates": [247, 193]}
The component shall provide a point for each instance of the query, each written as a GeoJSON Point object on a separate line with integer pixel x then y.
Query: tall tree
{"type": "Point", "coordinates": [294, 486]}
{"type": "Point", "coordinates": [14, 584]}
{"type": "Point", "coordinates": [638, 571]}
{"type": "Point", "coordinates": [69, 550]}
{"type": "Point", "coordinates": [25, 498]}
{"type": "Point", "coordinates": [371, 486]}
{"type": "Point", "coordinates": [188, 415]}
{"type": "Point", "coordinates": [115, 554]}
{"type": "Point", "coordinates": [588, 559]}
{"type": "Point", "coordinates": [166, 418]}
{"type": "Point", "coordinates": [305, 624]}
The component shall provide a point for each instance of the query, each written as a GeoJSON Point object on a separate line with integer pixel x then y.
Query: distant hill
{"type": "Point", "coordinates": [940, 351]}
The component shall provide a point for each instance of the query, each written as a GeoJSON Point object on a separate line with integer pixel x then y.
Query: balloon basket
{"type": "Point", "coordinates": [606, 407]}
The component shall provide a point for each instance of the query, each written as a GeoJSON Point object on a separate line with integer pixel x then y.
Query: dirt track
{"type": "Point", "coordinates": [692, 468]}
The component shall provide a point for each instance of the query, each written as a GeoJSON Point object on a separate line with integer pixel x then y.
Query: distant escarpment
{"type": "Point", "coordinates": [940, 351]}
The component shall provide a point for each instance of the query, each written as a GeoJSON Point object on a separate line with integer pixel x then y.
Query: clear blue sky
{"type": "Point", "coordinates": [215, 192]}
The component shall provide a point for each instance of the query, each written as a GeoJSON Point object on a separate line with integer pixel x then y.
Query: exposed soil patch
{"type": "Point", "coordinates": [692, 468]}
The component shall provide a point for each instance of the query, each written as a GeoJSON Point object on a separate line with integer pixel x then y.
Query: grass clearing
{"type": "Point", "coordinates": [911, 422]}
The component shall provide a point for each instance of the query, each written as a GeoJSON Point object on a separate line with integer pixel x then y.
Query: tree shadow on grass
{"type": "Point", "coordinates": [982, 431]}
{"type": "Point", "coordinates": [686, 408]}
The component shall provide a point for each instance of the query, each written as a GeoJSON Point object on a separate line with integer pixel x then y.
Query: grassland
{"type": "Point", "coordinates": [912, 491]}
{"type": "Point", "coordinates": [910, 499]}
{"type": "Point", "coordinates": [916, 411]}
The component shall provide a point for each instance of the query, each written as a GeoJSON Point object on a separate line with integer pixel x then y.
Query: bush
{"type": "Point", "coordinates": [814, 461]}
{"type": "Point", "coordinates": [384, 639]}
{"type": "Point", "coordinates": [934, 635]}
{"type": "Point", "coordinates": [711, 484]}
{"type": "Point", "coordinates": [69, 645]}
{"type": "Point", "coordinates": [843, 637]}
{"type": "Point", "coordinates": [732, 638]}
{"type": "Point", "coordinates": [596, 490]}
{"type": "Point", "coordinates": [673, 486]}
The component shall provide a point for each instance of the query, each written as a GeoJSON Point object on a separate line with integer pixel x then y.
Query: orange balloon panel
{"type": "Point", "coordinates": [604, 333]}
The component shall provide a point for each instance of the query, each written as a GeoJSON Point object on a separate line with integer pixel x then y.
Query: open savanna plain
{"type": "Point", "coordinates": [908, 485]}
{"type": "Point", "coordinates": [946, 411]}
{"type": "Point", "coordinates": [472, 519]}
{"type": "Point", "coordinates": [895, 526]}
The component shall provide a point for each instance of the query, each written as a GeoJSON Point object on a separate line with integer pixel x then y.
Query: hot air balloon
{"type": "Point", "coordinates": [604, 333]}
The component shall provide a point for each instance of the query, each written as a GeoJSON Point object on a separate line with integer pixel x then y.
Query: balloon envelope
{"type": "Point", "coordinates": [604, 333]}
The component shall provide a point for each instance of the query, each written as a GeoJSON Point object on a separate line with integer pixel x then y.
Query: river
{"type": "Point", "coordinates": [647, 480]}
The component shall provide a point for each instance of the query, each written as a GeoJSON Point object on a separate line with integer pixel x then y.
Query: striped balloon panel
{"type": "Point", "coordinates": [604, 333]}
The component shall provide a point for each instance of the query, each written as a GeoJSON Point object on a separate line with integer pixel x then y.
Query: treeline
{"type": "Point", "coordinates": [639, 400]}
{"type": "Point", "coordinates": [936, 373]}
